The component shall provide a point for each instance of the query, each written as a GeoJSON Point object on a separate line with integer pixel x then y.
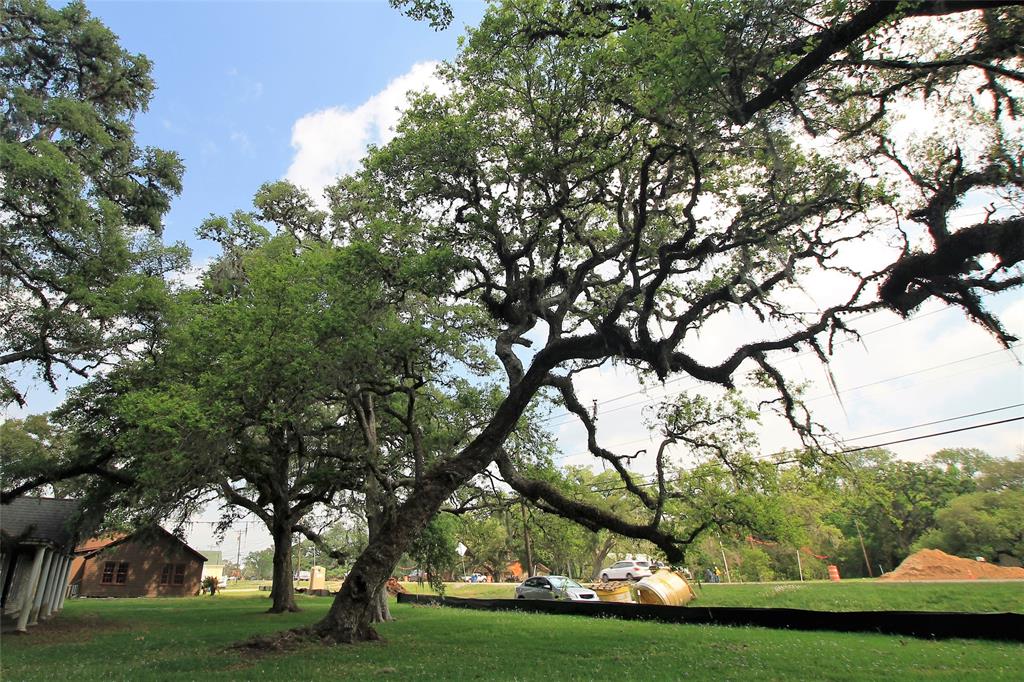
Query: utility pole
{"type": "Point", "coordinates": [526, 539]}
{"type": "Point", "coordinates": [799, 566]}
{"type": "Point", "coordinates": [863, 549]}
{"type": "Point", "coordinates": [725, 561]}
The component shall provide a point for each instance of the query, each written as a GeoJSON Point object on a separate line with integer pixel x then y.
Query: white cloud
{"type": "Point", "coordinates": [331, 142]}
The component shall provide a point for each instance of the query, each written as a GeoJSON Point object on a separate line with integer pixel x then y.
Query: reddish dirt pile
{"type": "Point", "coordinates": [934, 564]}
{"type": "Point", "coordinates": [394, 587]}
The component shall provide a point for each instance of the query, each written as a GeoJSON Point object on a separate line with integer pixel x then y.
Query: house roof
{"type": "Point", "coordinates": [39, 520]}
{"type": "Point", "coordinates": [94, 546]}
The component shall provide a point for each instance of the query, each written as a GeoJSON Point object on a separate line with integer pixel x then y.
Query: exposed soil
{"type": "Point", "coordinates": [934, 564]}
{"type": "Point", "coordinates": [60, 628]}
{"type": "Point", "coordinates": [279, 642]}
{"type": "Point", "coordinates": [291, 640]}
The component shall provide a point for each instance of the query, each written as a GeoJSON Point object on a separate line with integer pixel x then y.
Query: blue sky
{"type": "Point", "coordinates": [234, 77]}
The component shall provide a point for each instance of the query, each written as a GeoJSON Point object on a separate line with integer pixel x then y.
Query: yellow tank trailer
{"type": "Point", "coordinates": [664, 587]}
{"type": "Point", "coordinates": [614, 591]}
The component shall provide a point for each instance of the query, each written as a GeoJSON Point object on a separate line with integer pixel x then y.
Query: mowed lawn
{"type": "Point", "coordinates": [846, 595]}
{"type": "Point", "coordinates": [188, 639]}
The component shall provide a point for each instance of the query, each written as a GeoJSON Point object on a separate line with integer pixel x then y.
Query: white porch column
{"type": "Point", "coordinates": [29, 589]}
{"type": "Point", "coordinates": [6, 566]}
{"type": "Point", "coordinates": [61, 585]}
{"type": "Point", "coordinates": [41, 586]}
{"type": "Point", "coordinates": [56, 566]}
{"type": "Point", "coordinates": [64, 583]}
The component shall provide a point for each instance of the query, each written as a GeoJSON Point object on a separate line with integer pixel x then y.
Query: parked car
{"type": "Point", "coordinates": [554, 587]}
{"type": "Point", "coordinates": [629, 569]}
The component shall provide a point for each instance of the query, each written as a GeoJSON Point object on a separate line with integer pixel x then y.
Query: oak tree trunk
{"type": "Point", "coordinates": [375, 518]}
{"type": "Point", "coordinates": [356, 605]}
{"type": "Point", "coordinates": [282, 593]}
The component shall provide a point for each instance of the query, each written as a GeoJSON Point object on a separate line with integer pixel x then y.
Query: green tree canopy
{"type": "Point", "coordinates": [81, 205]}
{"type": "Point", "coordinates": [985, 524]}
{"type": "Point", "coordinates": [615, 179]}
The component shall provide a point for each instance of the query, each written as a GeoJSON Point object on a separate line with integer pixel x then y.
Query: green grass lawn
{"type": "Point", "coordinates": [869, 595]}
{"type": "Point", "coordinates": [467, 590]}
{"type": "Point", "coordinates": [847, 595]}
{"type": "Point", "coordinates": [187, 639]}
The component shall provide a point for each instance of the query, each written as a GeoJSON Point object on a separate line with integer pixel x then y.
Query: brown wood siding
{"type": "Point", "coordinates": [146, 561]}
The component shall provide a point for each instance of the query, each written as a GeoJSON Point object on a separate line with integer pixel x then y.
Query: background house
{"type": "Point", "coordinates": [153, 563]}
{"type": "Point", "coordinates": [36, 540]}
{"type": "Point", "coordinates": [214, 565]}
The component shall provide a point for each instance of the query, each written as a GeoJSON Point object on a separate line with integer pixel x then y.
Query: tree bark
{"type": "Point", "coordinates": [598, 556]}
{"type": "Point", "coordinates": [379, 506]}
{"type": "Point", "coordinates": [375, 517]}
{"type": "Point", "coordinates": [282, 593]}
{"type": "Point", "coordinates": [351, 615]}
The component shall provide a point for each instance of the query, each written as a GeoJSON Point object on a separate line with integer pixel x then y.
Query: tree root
{"type": "Point", "coordinates": [296, 638]}
{"type": "Point", "coordinates": [291, 608]}
{"type": "Point", "coordinates": [279, 642]}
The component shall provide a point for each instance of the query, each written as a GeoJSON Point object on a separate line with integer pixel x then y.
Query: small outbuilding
{"type": "Point", "coordinates": [214, 566]}
{"type": "Point", "coordinates": [36, 542]}
{"type": "Point", "coordinates": [153, 563]}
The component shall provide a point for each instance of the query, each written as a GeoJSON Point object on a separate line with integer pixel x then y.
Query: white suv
{"type": "Point", "coordinates": [626, 570]}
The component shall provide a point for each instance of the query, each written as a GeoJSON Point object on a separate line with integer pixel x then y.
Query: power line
{"type": "Point", "coordinates": [650, 483]}
{"type": "Point", "coordinates": [650, 438]}
{"type": "Point", "coordinates": [825, 395]}
{"type": "Point", "coordinates": [933, 423]}
{"type": "Point", "coordinates": [567, 415]}
{"type": "Point", "coordinates": [916, 372]}
{"type": "Point", "coordinates": [932, 435]}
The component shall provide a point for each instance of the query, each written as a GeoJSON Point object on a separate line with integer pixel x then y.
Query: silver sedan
{"type": "Point", "coordinates": [554, 587]}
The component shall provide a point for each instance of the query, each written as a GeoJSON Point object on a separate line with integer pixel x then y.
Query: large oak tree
{"type": "Point", "coordinates": [615, 178]}
{"type": "Point", "coordinates": [81, 204]}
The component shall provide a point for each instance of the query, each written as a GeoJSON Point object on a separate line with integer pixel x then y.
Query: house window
{"type": "Point", "coordinates": [179, 574]}
{"type": "Point", "coordinates": [122, 573]}
{"type": "Point", "coordinates": [108, 573]}
{"type": "Point", "coordinates": [165, 575]}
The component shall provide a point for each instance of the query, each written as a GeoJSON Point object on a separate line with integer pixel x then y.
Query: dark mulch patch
{"type": "Point", "coordinates": [279, 642]}
{"type": "Point", "coordinates": [61, 628]}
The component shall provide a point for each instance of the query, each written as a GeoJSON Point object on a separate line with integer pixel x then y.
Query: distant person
{"type": "Point", "coordinates": [718, 575]}
{"type": "Point", "coordinates": [709, 575]}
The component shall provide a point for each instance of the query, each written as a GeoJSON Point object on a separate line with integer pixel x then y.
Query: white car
{"type": "Point", "coordinates": [556, 587]}
{"type": "Point", "coordinates": [629, 569]}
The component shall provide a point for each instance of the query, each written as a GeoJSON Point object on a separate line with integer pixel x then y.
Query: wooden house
{"type": "Point", "coordinates": [154, 563]}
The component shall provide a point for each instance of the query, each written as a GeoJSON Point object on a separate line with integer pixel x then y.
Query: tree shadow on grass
{"type": "Point", "coordinates": [83, 628]}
